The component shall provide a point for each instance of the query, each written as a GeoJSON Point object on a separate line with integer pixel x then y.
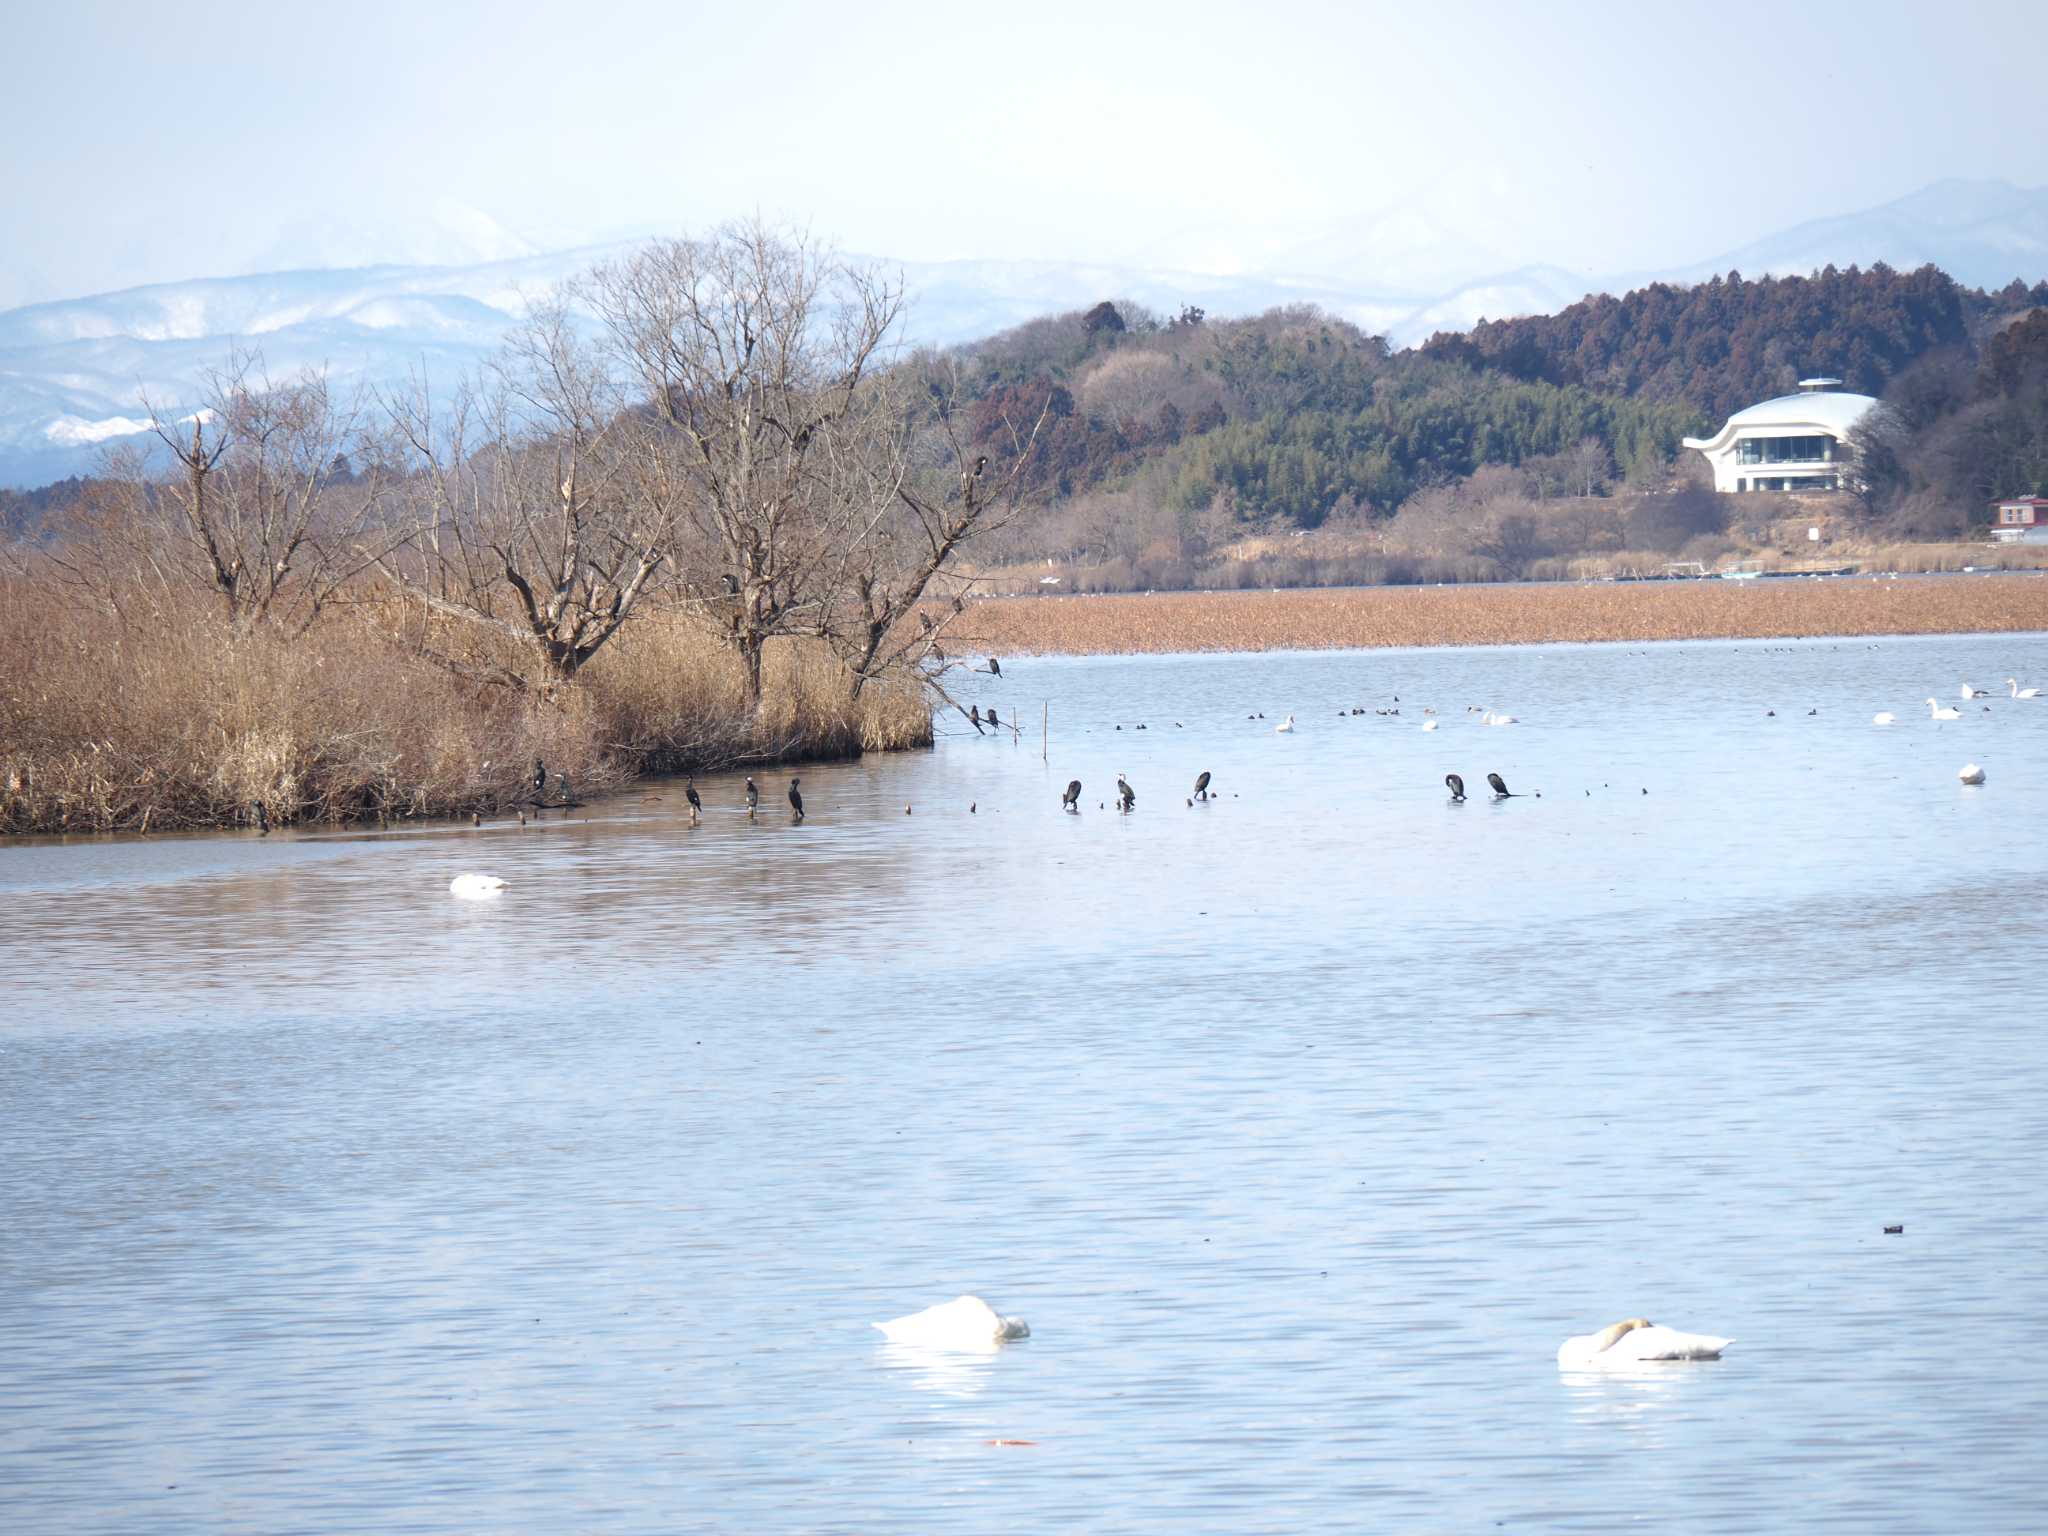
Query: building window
{"type": "Point", "coordinates": [1785, 450]}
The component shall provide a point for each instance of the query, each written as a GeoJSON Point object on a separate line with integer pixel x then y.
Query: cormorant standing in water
{"type": "Point", "coordinates": [540, 779]}
{"type": "Point", "coordinates": [1457, 788]}
{"type": "Point", "coordinates": [690, 794]}
{"type": "Point", "coordinates": [1202, 785]}
{"type": "Point", "coordinates": [562, 783]}
{"type": "Point", "coordinates": [1071, 800]}
{"type": "Point", "coordinates": [995, 666]}
{"type": "Point", "coordinates": [1124, 793]}
{"type": "Point", "coordinates": [262, 819]}
{"type": "Point", "coordinates": [796, 801]}
{"type": "Point", "coordinates": [1500, 787]}
{"type": "Point", "coordinates": [753, 797]}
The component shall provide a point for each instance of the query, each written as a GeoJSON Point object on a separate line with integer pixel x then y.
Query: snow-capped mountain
{"type": "Point", "coordinates": [80, 374]}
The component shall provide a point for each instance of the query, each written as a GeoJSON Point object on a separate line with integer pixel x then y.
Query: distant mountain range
{"type": "Point", "coordinates": [78, 374]}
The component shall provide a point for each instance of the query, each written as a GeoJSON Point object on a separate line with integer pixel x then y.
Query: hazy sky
{"type": "Point", "coordinates": [145, 144]}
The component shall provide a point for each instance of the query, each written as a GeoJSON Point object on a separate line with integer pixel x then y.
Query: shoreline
{"type": "Point", "coordinates": [1377, 618]}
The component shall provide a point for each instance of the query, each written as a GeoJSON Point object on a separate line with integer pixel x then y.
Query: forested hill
{"type": "Point", "coordinates": [1731, 342]}
{"type": "Point", "coordinates": [1292, 417]}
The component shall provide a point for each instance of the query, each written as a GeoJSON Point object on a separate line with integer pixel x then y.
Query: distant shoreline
{"type": "Point", "coordinates": [1370, 618]}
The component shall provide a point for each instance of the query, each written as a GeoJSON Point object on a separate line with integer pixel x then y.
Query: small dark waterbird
{"type": "Point", "coordinates": [1500, 787]}
{"type": "Point", "coordinates": [1127, 796]}
{"type": "Point", "coordinates": [1457, 786]}
{"type": "Point", "coordinates": [262, 819]}
{"type": "Point", "coordinates": [753, 797]}
{"type": "Point", "coordinates": [995, 666]}
{"type": "Point", "coordinates": [690, 794]}
{"type": "Point", "coordinates": [1202, 785]}
{"type": "Point", "coordinates": [540, 778]}
{"type": "Point", "coordinates": [990, 717]}
{"type": "Point", "coordinates": [796, 801]}
{"type": "Point", "coordinates": [1071, 800]}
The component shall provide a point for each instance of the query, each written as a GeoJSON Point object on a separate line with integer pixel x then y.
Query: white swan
{"type": "Point", "coordinates": [1496, 717]}
{"type": "Point", "coordinates": [1883, 717]}
{"type": "Point", "coordinates": [473, 886]}
{"type": "Point", "coordinates": [1285, 725]}
{"type": "Point", "coordinates": [1974, 693]}
{"type": "Point", "coordinates": [2022, 693]}
{"type": "Point", "coordinates": [967, 1323]}
{"type": "Point", "coordinates": [1429, 725]}
{"type": "Point", "coordinates": [1943, 712]}
{"type": "Point", "coordinates": [1634, 1342]}
{"type": "Point", "coordinates": [1970, 773]}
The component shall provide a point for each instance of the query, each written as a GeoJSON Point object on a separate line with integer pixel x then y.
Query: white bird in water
{"type": "Point", "coordinates": [967, 1323]}
{"type": "Point", "coordinates": [1634, 1342]}
{"type": "Point", "coordinates": [1883, 717]}
{"type": "Point", "coordinates": [1429, 725]}
{"type": "Point", "coordinates": [2022, 693]}
{"type": "Point", "coordinates": [1285, 725]}
{"type": "Point", "coordinates": [1974, 693]}
{"type": "Point", "coordinates": [1970, 773]}
{"type": "Point", "coordinates": [473, 886]}
{"type": "Point", "coordinates": [1495, 717]}
{"type": "Point", "coordinates": [1943, 712]}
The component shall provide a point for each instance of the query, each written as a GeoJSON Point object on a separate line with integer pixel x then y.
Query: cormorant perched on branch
{"type": "Point", "coordinates": [562, 784]}
{"type": "Point", "coordinates": [540, 778]}
{"type": "Point", "coordinates": [974, 713]}
{"type": "Point", "coordinates": [1202, 785]}
{"type": "Point", "coordinates": [262, 819]}
{"type": "Point", "coordinates": [991, 716]}
{"type": "Point", "coordinates": [1457, 788]}
{"type": "Point", "coordinates": [1071, 800]}
{"type": "Point", "coordinates": [1500, 787]}
{"type": "Point", "coordinates": [753, 797]}
{"type": "Point", "coordinates": [690, 794]}
{"type": "Point", "coordinates": [796, 800]}
{"type": "Point", "coordinates": [1125, 794]}
{"type": "Point", "coordinates": [995, 666]}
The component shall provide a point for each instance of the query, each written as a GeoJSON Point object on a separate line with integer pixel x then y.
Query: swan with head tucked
{"type": "Point", "coordinates": [1970, 773]}
{"type": "Point", "coordinates": [1943, 711]}
{"type": "Point", "coordinates": [1637, 1341]}
{"type": "Point", "coordinates": [1883, 717]}
{"type": "Point", "coordinates": [2021, 693]}
{"type": "Point", "coordinates": [1496, 717]}
{"type": "Point", "coordinates": [1285, 725]}
{"type": "Point", "coordinates": [966, 1323]}
{"type": "Point", "coordinates": [472, 886]}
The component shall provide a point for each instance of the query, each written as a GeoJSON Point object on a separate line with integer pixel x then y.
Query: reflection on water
{"type": "Point", "coordinates": [1303, 1124]}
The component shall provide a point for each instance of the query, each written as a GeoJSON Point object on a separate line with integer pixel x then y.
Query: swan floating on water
{"type": "Point", "coordinates": [1285, 725]}
{"type": "Point", "coordinates": [1634, 1342]}
{"type": "Point", "coordinates": [475, 885]}
{"type": "Point", "coordinates": [1494, 717]}
{"type": "Point", "coordinates": [1883, 717]}
{"type": "Point", "coordinates": [1943, 711]}
{"type": "Point", "coordinates": [1429, 725]}
{"type": "Point", "coordinates": [1970, 773]}
{"type": "Point", "coordinates": [967, 1323]}
{"type": "Point", "coordinates": [2022, 693]}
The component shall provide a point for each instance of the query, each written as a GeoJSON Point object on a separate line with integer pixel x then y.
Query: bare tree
{"type": "Point", "coordinates": [759, 350]}
{"type": "Point", "coordinates": [263, 510]}
{"type": "Point", "coordinates": [538, 508]}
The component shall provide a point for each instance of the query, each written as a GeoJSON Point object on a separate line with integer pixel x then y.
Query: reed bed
{"type": "Point", "coordinates": [1358, 618]}
{"type": "Point", "coordinates": [180, 722]}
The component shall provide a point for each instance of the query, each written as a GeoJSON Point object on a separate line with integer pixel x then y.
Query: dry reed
{"type": "Point", "coordinates": [1506, 615]}
{"type": "Point", "coordinates": [181, 722]}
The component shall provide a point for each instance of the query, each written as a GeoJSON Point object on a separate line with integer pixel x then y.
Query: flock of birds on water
{"type": "Point", "coordinates": [477, 885]}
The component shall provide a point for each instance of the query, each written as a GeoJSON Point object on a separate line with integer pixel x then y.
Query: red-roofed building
{"type": "Point", "coordinates": [2020, 519]}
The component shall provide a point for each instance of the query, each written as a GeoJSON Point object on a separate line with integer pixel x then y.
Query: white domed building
{"type": "Point", "coordinates": [1793, 443]}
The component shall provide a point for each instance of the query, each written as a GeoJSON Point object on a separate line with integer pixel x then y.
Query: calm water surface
{"type": "Point", "coordinates": [1302, 1126]}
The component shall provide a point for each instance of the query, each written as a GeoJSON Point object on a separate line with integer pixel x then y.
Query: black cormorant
{"type": "Point", "coordinates": [796, 801]}
{"type": "Point", "coordinates": [1071, 800]}
{"type": "Point", "coordinates": [990, 717]}
{"type": "Point", "coordinates": [1457, 788]}
{"type": "Point", "coordinates": [995, 666]}
{"type": "Point", "coordinates": [1202, 785]}
{"type": "Point", "coordinates": [690, 794]}
{"type": "Point", "coordinates": [540, 778]}
{"type": "Point", "coordinates": [1500, 787]}
{"type": "Point", "coordinates": [753, 796]}
{"type": "Point", "coordinates": [1125, 793]}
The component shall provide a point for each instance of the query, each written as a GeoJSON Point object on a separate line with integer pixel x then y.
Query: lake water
{"type": "Point", "coordinates": [1302, 1125]}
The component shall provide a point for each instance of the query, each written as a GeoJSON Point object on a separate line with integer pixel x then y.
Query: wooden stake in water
{"type": "Point", "coordinates": [1044, 728]}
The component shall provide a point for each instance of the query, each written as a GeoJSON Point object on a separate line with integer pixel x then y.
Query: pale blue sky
{"type": "Point", "coordinates": [144, 144]}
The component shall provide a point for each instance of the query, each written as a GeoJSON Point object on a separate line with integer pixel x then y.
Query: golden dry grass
{"type": "Point", "coordinates": [1354, 618]}
{"type": "Point", "coordinates": [180, 722]}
